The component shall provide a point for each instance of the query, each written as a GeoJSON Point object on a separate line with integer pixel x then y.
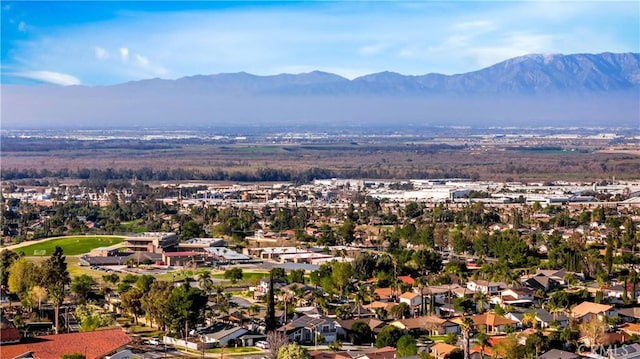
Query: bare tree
{"type": "Point", "coordinates": [276, 340]}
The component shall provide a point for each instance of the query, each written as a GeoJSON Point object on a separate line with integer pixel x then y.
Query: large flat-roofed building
{"type": "Point", "coordinates": [152, 242]}
{"type": "Point", "coordinates": [201, 244]}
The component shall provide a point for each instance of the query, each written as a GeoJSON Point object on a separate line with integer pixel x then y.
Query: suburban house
{"type": "Point", "coordinates": [586, 310]}
{"type": "Point", "coordinates": [96, 344]}
{"type": "Point", "coordinates": [486, 287]}
{"type": "Point", "coordinates": [412, 299]}
{"type": "Point", "coordinates": [344, 326]}
{"type": "Point", "coordinates": [514, 296]}
{"type": "Point", "coordinates": [442, 350]}
{"type": "Point", "coordinates": [224, 336]}
{"type": "Point", "coordinates": [305, 329]}
{"type": "Point", "coordinates": [431, 325]}
{"type": "Point", "coordinates": [543, 318]}
{"type": "Point", "coordinates": [493, 322]}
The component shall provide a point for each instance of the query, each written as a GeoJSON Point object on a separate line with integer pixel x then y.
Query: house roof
{"type": "Point", "coordinates": [371, 322]}
{"type": "Point", "coordinates": [424, 322]}
{"type": "Point", "coordinates": [585, 308]}
{"type": "Point", "coordinates": [489, 319]}
{"type": "Point", "coordinates": [406, 279]}
{"type": "Point", "coordinates": [631, 328]}
{"type": "Point", "coordinates": [383, 292]}
{"type": "Point", "coordinates": [304, 322]}
{"type": "Point", "coordinates": [633, 312]}
{"type": "Point", "coordinates": [558, 354]}
{"type": "Point", "coordinates": [220, 335]}
{"type": "Point", "coordinates": [409, 295]}
{"type": "Point", "coordinates": [94, 344]}
{"type": "Point", "coordinates": [443, 348]}
{"type": "Point", "coordinates": [9, 335]}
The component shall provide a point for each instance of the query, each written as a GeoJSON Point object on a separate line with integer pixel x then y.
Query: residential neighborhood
{"type": "Point", "coordinates": [342, 268]}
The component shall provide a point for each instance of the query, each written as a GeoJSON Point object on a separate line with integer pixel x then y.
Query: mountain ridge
{"type": "Point", "coordinates": [536, 89]}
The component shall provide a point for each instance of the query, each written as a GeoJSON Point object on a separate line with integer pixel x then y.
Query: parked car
{"type": "Point", "coordinates": [153, 341]}
{"type": "Point", "coordinates": [262, 344]}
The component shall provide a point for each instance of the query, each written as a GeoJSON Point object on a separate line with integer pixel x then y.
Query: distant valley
{"type": "Point", "coordinates": [581, 90]}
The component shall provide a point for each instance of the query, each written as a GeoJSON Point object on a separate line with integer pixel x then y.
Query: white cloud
{"type": "Point", "coordinates": [349, 39]}
{"type": "Point", "coordinates": [145, 65]}
{"type": "Point", "coordinates": [373, 49]}
{"type": "Point", "coordinates": [124, 54]}
{"type": "Point", "coordinates": [22, 26]}
{"type": "Point", "coordinates": [51, 77]}
{"type": "Point", "coordinates": [473, 25]}
{"type": "Point", "coordinates": [101, 54]}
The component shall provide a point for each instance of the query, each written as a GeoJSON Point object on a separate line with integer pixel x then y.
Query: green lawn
{"type": "Point", "coordinates": [245, 275]}
{"type": "Point", "coordinates": [133, 226]}
{"type": "Point", "coordinates": [72, 246]}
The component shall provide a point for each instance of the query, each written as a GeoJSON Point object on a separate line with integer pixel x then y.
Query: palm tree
{"type": "Point", "coordinates": [482, 338]}
{"type": "Point", "coordinates": [466, 326]}
{"type": "Point", "coordinates": [481, 300]}
{"type": "Point", "coordinates": [530, 319]}
{"type": "Point", "coordinates": [206, 284]}
{"type": "Point", "coordinates": [421, 282]}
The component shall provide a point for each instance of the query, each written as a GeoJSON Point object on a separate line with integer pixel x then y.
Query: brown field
{"type": "Point", "coordinates": [400, 161]}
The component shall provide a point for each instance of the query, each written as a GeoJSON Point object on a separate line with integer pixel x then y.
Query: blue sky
{"type": "Point", "coordinates": [102, 43]}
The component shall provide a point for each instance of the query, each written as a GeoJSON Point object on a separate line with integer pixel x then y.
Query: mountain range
{"type": "Point", "coordinates": [533, 90]}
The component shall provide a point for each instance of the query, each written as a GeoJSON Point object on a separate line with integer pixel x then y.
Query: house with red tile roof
{"type": "Point", "coordinates": [406, 279]}
{"type": "Point", "coordinates": [96, 344]}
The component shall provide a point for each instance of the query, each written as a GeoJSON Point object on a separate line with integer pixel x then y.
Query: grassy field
{"type": "Point", "coordinates": [133, 226]}
{"type": "Point", "coordinates": [247, 276]}
{"type": "Point", "coordinates": [72, 246]}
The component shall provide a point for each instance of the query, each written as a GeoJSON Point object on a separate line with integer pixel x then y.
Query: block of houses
{"type": "Point", "coordinates": [586, 310]}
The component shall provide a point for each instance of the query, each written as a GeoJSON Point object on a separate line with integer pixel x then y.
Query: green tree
{"type": "Point", "coordinates": [144, 282]}
{"type": "Point", "coordinates": [360, 333]}
{"type": "Point", "coordinates": [482, 339]}
{"type": "Point", "coordinates": [81, 286]}
{"type": "Point", "coordinates": [55, 279]}
{"type": "Point", "coordinates": [19, 279]}
{"type": "Point", "coordinates": [388, 337]}
{"type": "Point", "coordinates": [466, 326]}
{"type": "Point", "coordinates": [293, 351]}
{"type": "Point", "coordinates": [6, 259]}
{"type": "Point", "coordinates": [233, 274]}
{"type": "Point", "coordinates": [191, 229]}
{"type": "Point", "coordinates": [154, 301]}
{"type": "Point", "coordinates": [406, 346]}
{"type": "Point", "coordinates": [270, 318]}
{"type": "Point", "coordinates": [185, 308]}
{"type": "Point", "coordinates": [297, 276]}
{"type": "Point", "coordinates": [131, 301]}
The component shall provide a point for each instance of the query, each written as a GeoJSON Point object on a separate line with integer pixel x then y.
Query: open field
{"type": "Point", "coordinates": [71, 246]}
{"type": "Point", "coordinates": [401, 160]}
